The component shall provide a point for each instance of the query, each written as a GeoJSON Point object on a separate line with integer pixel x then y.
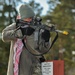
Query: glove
{"type": "Point", "coordinates": [46, 35]}
{"type": "Point", "coordinates": [27, 31]}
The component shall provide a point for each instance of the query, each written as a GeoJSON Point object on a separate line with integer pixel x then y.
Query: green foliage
{"type": "Point", "coordinates": [60, 13]}
{"type": "Point", "coordinates": [63, 16]}
{"type": "Point", "coordinates": [7, 16]}
{"type": "Point", "coordinates": [4, 53]}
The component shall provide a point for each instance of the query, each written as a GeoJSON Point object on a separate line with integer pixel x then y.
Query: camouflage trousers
{"type": "Point", "coordinates": [36, 69]}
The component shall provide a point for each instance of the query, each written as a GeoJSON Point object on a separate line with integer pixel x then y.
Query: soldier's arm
{"type": "Point", "coordinates": [8, 33]}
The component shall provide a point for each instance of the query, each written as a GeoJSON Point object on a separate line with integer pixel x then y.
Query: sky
{"type": "Point", "coordinates": [43, 3]}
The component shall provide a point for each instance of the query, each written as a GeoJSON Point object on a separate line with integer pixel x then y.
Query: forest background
{"type": "Point", "coordinates": [61, 13]}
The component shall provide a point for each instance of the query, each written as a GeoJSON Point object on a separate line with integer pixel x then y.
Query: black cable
{"type": "Point", "coordinates": [44, 52]}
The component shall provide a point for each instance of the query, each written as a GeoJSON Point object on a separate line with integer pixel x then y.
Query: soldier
{"type": "Point", "coordinates": [21, 61]}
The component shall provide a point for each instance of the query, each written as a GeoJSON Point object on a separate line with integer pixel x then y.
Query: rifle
{"type": "Point", "coordinates": [36, 24]}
